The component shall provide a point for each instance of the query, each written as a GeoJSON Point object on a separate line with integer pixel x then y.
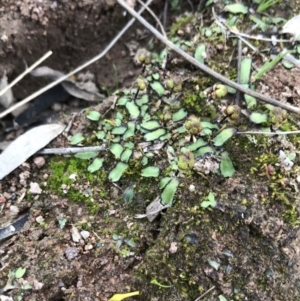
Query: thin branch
{"type": "Point", "coordinates": [93, 60]}
{"type": "Point", "coordinates": [204, 68]}
{"type": "Point", "coordinates": [224, 27]}
{"type": "Point", "coordinates": [164, 63]}
{"type": "Point", "coordinates": [71, 150]}
{"type": "Point", "coordinates": [204, 294]}
{"type": "Point", "coordinates": [25, 72]}
{"type": "Point", "coordinates": [259, 38]}
{"type": "Point", "coordinates": [268, 133]}
{"type": "Point", "coordinates": [239, 64]}
{"type": "Point", "coordinates": [154, 16]}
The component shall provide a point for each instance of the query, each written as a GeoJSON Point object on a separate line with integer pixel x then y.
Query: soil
{"type": "Point", "coordinates": [75, 31]}
{"type": "Point", "coordinates": [81, 240]}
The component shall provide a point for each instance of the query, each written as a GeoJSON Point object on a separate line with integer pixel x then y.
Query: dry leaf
{"type": "Point", "coordinates": [26, 145]}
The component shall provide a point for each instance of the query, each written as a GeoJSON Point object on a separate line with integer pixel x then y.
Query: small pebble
{"type": "Point", "coordinates": [75, 234]}
{"type": "Point", "coordinates": [35, 188]}
{"type": "Point", "coordinates": [7, 195]}
{"type": "Point", "coordinates": [173, 247]}
{"type": "Point", "coordinates": [88, 247]}
{"type": "Point", "coordinates": [23, 177]}
{"type": "Point", "coordinates": [39, 161]}
{"type": "Point", "coordinates": [84, 234]}
{"type": "Point", "coordinates": [192, 188]}
{"type": "Point", "coordinates": [71, 253]}
{"type": "Point", "coordinates": [2, 198]}
{"type": "Point", "coordinates": [14, 210]}
{"type": "Point", "coordinates": [39, 219]}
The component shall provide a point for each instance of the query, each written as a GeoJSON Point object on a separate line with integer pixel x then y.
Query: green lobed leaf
{"type": "Point", "coordinates": [125, 156]}
{"type": "Point", "coordinates": [77, 138]}
{"type": "Point", "coordinates": [143, 100]}
{"type": "Point", "coordinates": [144, 109]}
{"type": "Point", "coordinates": [200, 50]}
{"type": "Point", "coordinates": [250, 100]}
{"type": "Point", "coordinates": [116, 149]}
{"type": "Point", "coordinates": [214, 264]}
{"type": "Point", "coordinates": [133, 109]}
{"type": "Point", "coordinates": [129, 145]}
{"type": "Point", "coordinates": [236, 8]}
{"type": "Point", "coordinates": [128, 194]}
{"type": "Point", "coordinates": [231, 90]}
{"type": "Point", "coordinates": [169, 192]}
{"type": "Point", "coordinates": [262, 25]}
{"type": "Point", "coordinates": [118, 122]}
{"type": "Point", "coordinates": [130, 130]}
{"type": "Point", "coordinates": [203, 150]}
{"type": "Point", "coordinates": [155, 76]}
{"type": "Point", "coordinates": [144, 161]}
{"type": "Point", "coordinates": [258, 118]}
{"type": "Point", "coordinates": [150, 171]}
{"type": "Point", "coordinates": [86, 155]}
{"type": "Point", "coordinates": [120, 130]}
{"type": "Point", "coordinates": [163, 182]}
{"type": "Point", "coordinates": [116, 173]}
{"type": "Point", "coordinates": [179, 115]}
{"type": "Point", "coordinates": [26, 287]}
{"type": "Point", "coordinates": [222, 298]}
{"type": "Point", "coordinates": [226, 166]}
{"type": "Point", "coordinates": [208, 32]}
{"type": "Point", "coordinates": [181, 130]}
{"type": "Point", "coordinates": [223, 136]}
{"type": "Point", "coordinates": [96, 165]}
{"type": "Point", "coordinates": [119, 116]}
{"type": "Point", "coordinates": [287, 64]}
{"type": "Point", "coordinates": [122, 101]}
{"type": "Point", "coordinates": [209, 202]}
{"type": "Point", "coordinates": [106, 124]}
{"type": "Point", "coordinates": [246, 64]}
{"type": "Point", "coordinates": [194, 146]}
{"type": "Point", "coordinates": [93, 115]}
{"type": "Point", "coordinates": [209, 125]}
{"type": "Point", "coordinates": [100, 135]}
{"type": "Point", "coordinates": [20, 272]}
{"type": "Point", "coordinates": [117, 139]}
{"type": "Point", "coordinates": [154, 135]}
{"type": "Point", "coordinates": [150, 125]}
{"type": "Point", "coordinates": [158, 87]}
{"type": "Point", "coordinates": [129, 242]}
{"type": "Point", "coordinates": [167, 136]}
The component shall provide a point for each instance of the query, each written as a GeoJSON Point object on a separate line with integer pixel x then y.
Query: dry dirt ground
{"type": "Point", "coordinates": [247, 248]}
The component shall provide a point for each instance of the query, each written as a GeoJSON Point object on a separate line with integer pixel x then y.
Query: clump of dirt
{"type": "Point", "coordinates": [283, 84]}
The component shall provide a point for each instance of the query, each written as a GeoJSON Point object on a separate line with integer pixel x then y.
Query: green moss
{"type": "Point", "coordinates": [62, 168]}
{"type": "Point", "coordinates": [180, 23]}
{"type": "Point", "coordinates": [191, 101]}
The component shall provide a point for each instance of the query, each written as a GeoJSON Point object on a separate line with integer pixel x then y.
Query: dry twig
{"type": "Point", "coordinates": [204, 68]}
{"type": "Point", "coordinates": [26, 72]}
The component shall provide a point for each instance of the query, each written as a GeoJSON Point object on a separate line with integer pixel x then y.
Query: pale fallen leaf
{"type": "Point", "coordinates": [292, 27]}
{"type": "Point", "coordinates": [26, 145]}
{"type": "Point", "coordinates": [5, 298]}
{"type": "Point", "coordinates": [69, 85]}
{"type": "Point", "coordinates": [7, 99]}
